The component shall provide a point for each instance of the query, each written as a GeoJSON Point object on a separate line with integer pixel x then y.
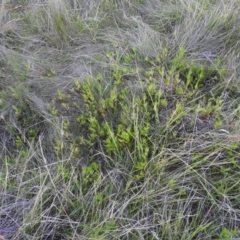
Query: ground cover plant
{"type": "Point", "coordinates": [119, 119]}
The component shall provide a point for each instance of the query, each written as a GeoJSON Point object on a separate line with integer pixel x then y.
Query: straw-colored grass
{"type": "Point", "coordinates": [119, 119]}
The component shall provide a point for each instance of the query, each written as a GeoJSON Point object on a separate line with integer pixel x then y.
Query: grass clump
{"type": "Point", "coordinates": [119, 126]}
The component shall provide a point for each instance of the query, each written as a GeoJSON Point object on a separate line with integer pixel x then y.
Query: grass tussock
{"type": "Point", "coordinates": [119, 120]}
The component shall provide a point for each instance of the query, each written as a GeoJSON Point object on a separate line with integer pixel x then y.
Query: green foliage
{"type": "Point", "coordinates": [60, 24]}
{"type": "Point", "coordinates": [107, 122]}
{"type": "Point", "coordinates": [177, 61]}
{"type": "Point", "coordinates": [227, 234]}
{"type": "Point", "coordinates": [90, 175]}
{"type": "Point", "coordinates": [50, 73]}
{"type": "Point", "coordinates": [147, 146]}
{"type": "Point", "coordinates": [26, 122]}
{"type": "Point", "coordinates": [109, 117]}
{"type": "Point", "coordinates": [102, 231]}
{"type": "Point", "coordinates": [22, 2]}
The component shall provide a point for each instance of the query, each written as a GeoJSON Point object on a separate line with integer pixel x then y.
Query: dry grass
{"type": "Point", "coordinates": [119, 119]}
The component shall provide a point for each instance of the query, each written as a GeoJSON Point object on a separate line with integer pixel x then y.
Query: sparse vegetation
{"type": "Point", "coordinates": [119, 119]}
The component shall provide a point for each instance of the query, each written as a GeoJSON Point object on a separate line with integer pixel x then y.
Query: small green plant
{"type": "Point", "coordinates": [105, 230]}
{"type": "Point", "coordinates": [19, 141]}
{"type": "Point", "coordinates": [227, 234]}
{"type": "Point", "coordinates": [90, 176]}
{"type": "Point", "coordinates": [50, 73]}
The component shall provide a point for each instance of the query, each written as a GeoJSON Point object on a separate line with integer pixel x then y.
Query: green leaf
{"type": "Point", "coordinates": [163, 102]}
{"type": "Point", "coordinates": [179, 57]}
{"type": "Point", "coordinates": [225, 233]}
